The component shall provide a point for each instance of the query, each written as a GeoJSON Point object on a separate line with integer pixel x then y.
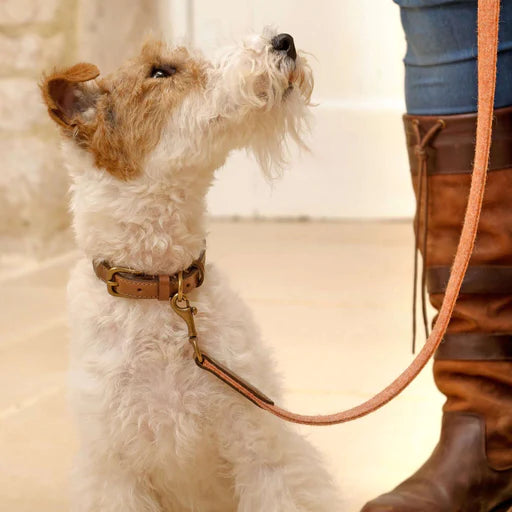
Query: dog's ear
{"type": "Point", "coordinates": [69, 94]}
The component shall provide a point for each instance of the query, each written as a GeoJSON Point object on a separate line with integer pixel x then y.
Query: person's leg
{"type": "Point", "coordinates": [440, 61]}
{"type": "Point", "coordinates": [471, 468]}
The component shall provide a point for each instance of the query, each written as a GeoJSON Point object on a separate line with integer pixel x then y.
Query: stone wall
{"type": "Point", "coordinates": [35, 36]}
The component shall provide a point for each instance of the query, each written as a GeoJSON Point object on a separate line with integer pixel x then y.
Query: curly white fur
{"type": "Point", "coordinates": [158, 433]}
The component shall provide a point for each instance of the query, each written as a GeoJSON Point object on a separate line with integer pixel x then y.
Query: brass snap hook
{"type": "Point", "coordinates": [180, 286]}
{"type": "Point", "coordinates": [183, 309]}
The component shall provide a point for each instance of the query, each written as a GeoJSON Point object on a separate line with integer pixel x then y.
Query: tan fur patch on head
{"type": "Point", "coordinates": [130, 107]}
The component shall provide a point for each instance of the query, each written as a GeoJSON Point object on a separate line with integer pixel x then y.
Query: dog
{"type": "Point", "coordinates": [141, 146]}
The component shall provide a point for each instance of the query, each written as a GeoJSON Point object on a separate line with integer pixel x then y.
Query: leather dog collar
{"type": "Point", "coordinates": [133, 284]}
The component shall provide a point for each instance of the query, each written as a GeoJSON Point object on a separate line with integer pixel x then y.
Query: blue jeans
{"type": "Point", "coordinates": [440, 62]}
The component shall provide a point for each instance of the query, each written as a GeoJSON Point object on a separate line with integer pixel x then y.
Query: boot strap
{"type": "Point", "coordinates": [479, 279]}
{"type": "Point", "coordinates": [454, 152]}
{"type": "Point", "coordinates": [475, 346]}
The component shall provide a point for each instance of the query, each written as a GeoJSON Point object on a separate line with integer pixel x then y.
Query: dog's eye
{"type": "Point", "coordinates": [162, 71]}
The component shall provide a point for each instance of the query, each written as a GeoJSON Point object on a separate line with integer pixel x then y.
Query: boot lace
{"type": "Point", "coordinates": [423, 190]}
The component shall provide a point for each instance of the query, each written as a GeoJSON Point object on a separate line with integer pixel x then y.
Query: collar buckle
{"type": "Point", "coordinates": [112, 283]}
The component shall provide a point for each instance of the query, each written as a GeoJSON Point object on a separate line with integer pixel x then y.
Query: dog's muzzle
{"type": "Point", "coordinates": [284, 44]}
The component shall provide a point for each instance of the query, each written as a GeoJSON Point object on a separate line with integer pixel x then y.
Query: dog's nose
{"type": "Point", "coordinates": [284, 43]}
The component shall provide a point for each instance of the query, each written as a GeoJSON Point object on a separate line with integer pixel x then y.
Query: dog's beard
{"type": "Point", "coordinates": [285, 122]}
{"type": "Point", "coordinates": [284, 117]}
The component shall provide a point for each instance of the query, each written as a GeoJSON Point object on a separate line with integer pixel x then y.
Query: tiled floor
{"type": "Point", "coordinates": [334, 297]}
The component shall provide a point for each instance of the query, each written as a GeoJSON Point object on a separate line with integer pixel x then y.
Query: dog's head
{"type": "Point", "coordinates": [169, 109]}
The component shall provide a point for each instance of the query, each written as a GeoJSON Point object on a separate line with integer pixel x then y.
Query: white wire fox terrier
{"type": "Point", "coordinates": [142, 144]}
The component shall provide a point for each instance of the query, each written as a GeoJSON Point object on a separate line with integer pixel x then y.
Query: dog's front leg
{"type": "Point", "coordinates": [104, 486]}
{"type": "Point", "coordinates": [275, 469]}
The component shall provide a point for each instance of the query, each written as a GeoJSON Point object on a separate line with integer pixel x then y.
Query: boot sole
{"type": "Point", "coordinates": [503, 507]}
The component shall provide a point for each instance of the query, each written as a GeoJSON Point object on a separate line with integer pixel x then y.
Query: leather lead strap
{"type": "Point", "coordinates": [488, 17]}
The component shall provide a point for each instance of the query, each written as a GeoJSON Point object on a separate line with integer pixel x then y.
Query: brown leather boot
{"type": "Point", "coordinates": [470, 470]}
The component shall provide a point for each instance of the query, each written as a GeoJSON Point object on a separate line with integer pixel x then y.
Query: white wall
{"type": "Point", "coordinates": [357, 168]}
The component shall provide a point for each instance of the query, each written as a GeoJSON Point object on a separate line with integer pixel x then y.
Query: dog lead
{"type": "Point", "coordinates": [488, 18]}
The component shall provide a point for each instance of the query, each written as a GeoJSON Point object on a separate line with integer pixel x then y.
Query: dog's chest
{"type": "Point", "coordinates": [131, 362]}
